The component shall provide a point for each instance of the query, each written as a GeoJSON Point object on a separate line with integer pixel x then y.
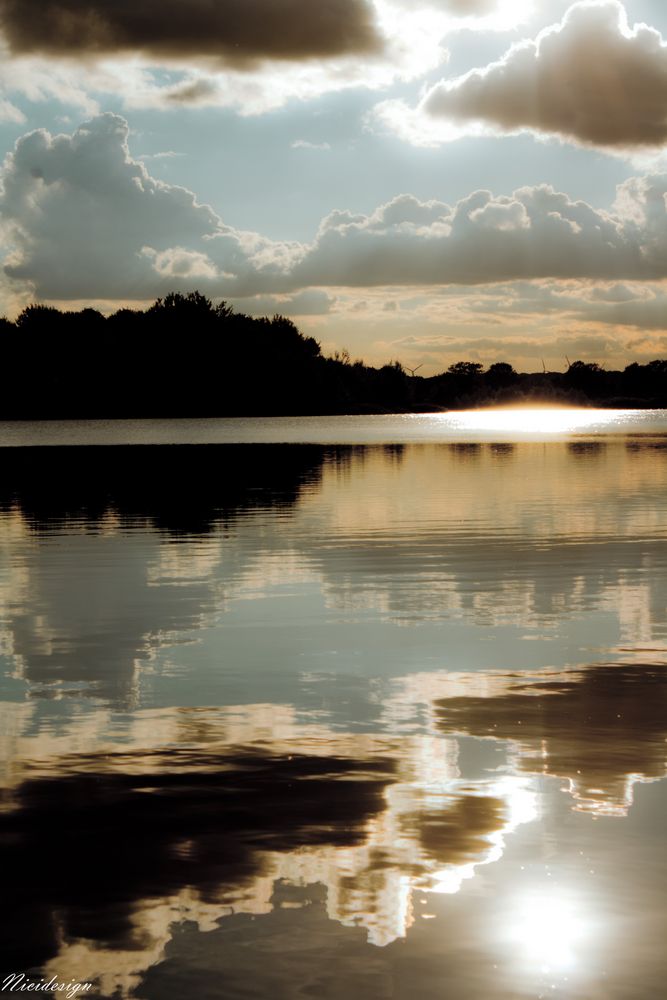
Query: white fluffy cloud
{"type": "Point", "coordinates": [83, 220]}
{"type": "Point", "coordinates": [536, 232]}
{"type": "Point", "coordinates": [591, 78]}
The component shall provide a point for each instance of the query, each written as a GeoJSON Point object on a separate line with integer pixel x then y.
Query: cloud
{"type": "Point", "coordinates": [305, 144]}
{"type": "Point", "coordinates": [311, 302]}
{"type": "Point", "coordinates": [644, 314]}
{"type": "Point", "coordinates": [178, 262]}
{"type": "Point", "coordinates": [642, 305]}
{"type": "Point", "coordinates": [536, 232]}
{"type": "Point", "coordinates": [590, 79]}
{"type": "Point", "coordinates": [145, 80]}
{"type": "Point", "coordinates": [168, 154]}
{"type": "Point", "coordinates": [38, 81]}
{"type": "Point", "coordinates": [493, 348]}
{"type": "Point", "coordinates": [82, 220]}
{"type": "Point", "coordinates": [466, 8]}
{"type": "Point", "coordinates": [252, 56]}
{"type": "Point", "coordinates": [10, 113]}
{"type": "Point", "coordinates": [200, 91]}
{"type": "Point", "coordinates": [85, 220]}
{"type": "Point", "coordinates": [238, 34]}
{"type": "Point", "coordinates": [495, 13]}
{"type": "Point", "coordinates": [617, 293]}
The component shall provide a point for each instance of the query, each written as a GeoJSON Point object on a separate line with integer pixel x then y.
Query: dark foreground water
{"type": "Point", "coordinates": [333, 720]}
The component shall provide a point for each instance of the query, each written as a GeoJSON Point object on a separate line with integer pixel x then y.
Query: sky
{"type": "Point", "coordinates": [424, 181]}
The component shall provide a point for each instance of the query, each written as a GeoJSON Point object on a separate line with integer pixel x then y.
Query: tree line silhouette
{"type": "Point", "coordinates": [185, 356]}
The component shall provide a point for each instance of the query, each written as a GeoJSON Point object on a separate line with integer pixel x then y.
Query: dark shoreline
{"type": "Point", "coordinates": [186, 358]}
{"type": "Point", "coordinates": [359, 410]}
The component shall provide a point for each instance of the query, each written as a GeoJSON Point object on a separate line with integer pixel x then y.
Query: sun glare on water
{"type": "Point", "coordinates": [549, 931]}
{"type": "Point", "coordinates": [535, 420]}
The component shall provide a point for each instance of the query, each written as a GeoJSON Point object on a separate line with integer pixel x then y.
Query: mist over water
{"type": "Point", "coordinates": [373, 713]}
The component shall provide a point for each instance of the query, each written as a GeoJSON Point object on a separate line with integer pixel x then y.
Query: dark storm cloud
{"type": "Point", "coordinates": [236, 31]}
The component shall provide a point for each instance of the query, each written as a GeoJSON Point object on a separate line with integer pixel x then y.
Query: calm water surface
{"type": "Point", "coordinates": [378, 713]}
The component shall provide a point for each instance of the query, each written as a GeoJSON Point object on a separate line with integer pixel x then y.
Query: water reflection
{"type": "Point", "coordinates": [182, 490]}
{"type": "Point", "coordinates": [548, 929]}
{"type": "Point", "coordinates": [602, 728]}
{"type": "Point", "coordinates": [120, 570]}
{"type": "Point", "coordinates": [117, 830]}
{"type": "Point", "coordinates": [340, 689]}
{"type": "Point", "coordinates": [105, 850]}
{"type": "Point", "coordinates": [200, 815]}
{"type": "Point", "coordinates": [108, 583]}
{"type": "Point", "coordinates": [507, 424]}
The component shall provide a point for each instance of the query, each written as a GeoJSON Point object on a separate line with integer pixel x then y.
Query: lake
{"type": "Point", "coordinates": [345, 707]}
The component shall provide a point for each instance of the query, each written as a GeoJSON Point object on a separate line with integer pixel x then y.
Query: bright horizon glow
{"type": "Point", "coordinates": [536, 419]}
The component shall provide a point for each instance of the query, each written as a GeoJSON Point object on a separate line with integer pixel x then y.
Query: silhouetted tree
{"type": "Point", "coordinates": [465, 369]}
{"type": "Point", "coordinates": [185, 356]}
{"type": "Point", "coordinates": [392, 387]}
{"type": "Point", "coordinates": [588, 377]}
{"type": "Point", "coordinates": [500, 374]}
{"type": "Point", "coordinates": [39, 321]}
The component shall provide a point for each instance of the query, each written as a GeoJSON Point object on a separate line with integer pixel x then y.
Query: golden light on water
{"type": "Point", "coordinates": [549, 930]}
{"type": "Point", "coordinates": [536, 420]}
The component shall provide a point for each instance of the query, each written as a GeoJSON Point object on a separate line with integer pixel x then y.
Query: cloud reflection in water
{"type": "Point", "coordinates": [105, 850]}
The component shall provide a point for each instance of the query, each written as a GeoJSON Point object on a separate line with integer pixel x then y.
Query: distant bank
{"type": "Point", "coordinates": [185, 357]}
